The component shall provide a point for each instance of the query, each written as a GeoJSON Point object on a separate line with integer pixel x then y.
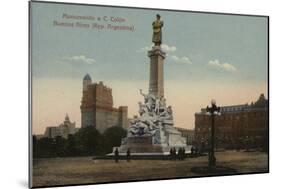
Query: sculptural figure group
{"type": "Point", "coordinates": [153, 116]}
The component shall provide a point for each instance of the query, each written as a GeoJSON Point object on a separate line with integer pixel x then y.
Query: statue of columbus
{"type": "Point", "coordinates": [157, 31]}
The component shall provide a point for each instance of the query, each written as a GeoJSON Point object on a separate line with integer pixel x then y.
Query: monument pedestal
{"type": "Point", "coordinates": [141, 144]}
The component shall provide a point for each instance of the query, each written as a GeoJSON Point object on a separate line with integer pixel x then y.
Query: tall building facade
{"type": "Point", "coordinates": [237, 126]}
{"type": "Point", "coordinates": [97, 107]}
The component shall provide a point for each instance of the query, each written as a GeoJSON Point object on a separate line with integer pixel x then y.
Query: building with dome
{"type": "Point", "coordinates": [97, 107]}
{"type": "Point", "coordinates": [63, 130]}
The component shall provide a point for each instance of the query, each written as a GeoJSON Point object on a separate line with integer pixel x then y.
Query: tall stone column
{"type": "Point", "coordinates": [156, 78]}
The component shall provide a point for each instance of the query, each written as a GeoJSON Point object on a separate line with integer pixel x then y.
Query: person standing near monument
{"type": "Point", "coordinates": [183, 154]}
{"type": "Point", "coordinates": [128, 155]}
{"type": "Point", "coordinates": [171, 154]}
{"type": "Point", "coordinates": [116, 153]}
{"type": "Point", "coordinates": [174, 153]}
{"type": "Point", "coordinates": [157, 31]}
{"type": "Point", "coordinates": [192, 150]}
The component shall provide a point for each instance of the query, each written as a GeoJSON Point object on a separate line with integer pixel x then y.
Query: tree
{"type": "Point", "coordinates": [34, 146]}
{"type": "Point", "coordinates": [89, 141]}
{"type": "Point", "coordinates": [113, 137]}
{"type": "Point", "coordinates": [46, 147]}
{"type": "Point", "coordinates": [60, 146]}
{"type": "Point", "coordinates": [71, 146]}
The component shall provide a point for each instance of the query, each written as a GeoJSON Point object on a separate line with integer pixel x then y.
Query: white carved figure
{"type": "Point", "coordinates": [144, 95]}
{"type": "Point", "coordinates": [155, 120]}
{"type": "Point", "coordinates": [157, 106]}
{"type": "Point", "coordinates": [142, 108]}
{"type": "Point", "coordinates": [170, 112]}
{"type": "Point", "coordinates": [149, 100]}
{"type": "Point", "coordinates": [163, 101]}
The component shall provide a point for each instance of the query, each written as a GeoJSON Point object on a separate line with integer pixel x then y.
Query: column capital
{"type": "Point", "coordinates": [156, 51]}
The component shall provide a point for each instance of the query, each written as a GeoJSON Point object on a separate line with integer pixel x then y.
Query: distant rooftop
{"type": "Point", "coordinates": [87, 77]}
{"type": "Point", "coordinates": [262, 102]}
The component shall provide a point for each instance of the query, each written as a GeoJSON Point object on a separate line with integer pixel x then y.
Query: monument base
{"type": "Point", "coordinates": [143, 146]}
{"type": "Point", "coordinates": [140, 144]}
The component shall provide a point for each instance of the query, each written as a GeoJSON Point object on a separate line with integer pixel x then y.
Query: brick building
{"type": "Point", "coordinates": [238, 126]}
{"type": "Point", "coordinates": [97, 107]}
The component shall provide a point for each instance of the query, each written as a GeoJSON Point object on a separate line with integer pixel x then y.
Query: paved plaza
{"type": "Point", "coordinates": [81, 170]}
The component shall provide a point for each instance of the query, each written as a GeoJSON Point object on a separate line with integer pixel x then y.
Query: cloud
{"type": "Point", "coordinates": [80, 59]}
{"type": "Point", "coordinates": [168, 48]}
{"type": "Point", "coordinates": [165, 47]}
{"type": "Point", "coordinates": [145, 49]}
{"type": "Point", "coordinates": [221, 66]}
{"type": "Point", "coordinates": [181, 60]}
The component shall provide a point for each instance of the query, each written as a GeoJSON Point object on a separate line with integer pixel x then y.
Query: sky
{"type": "Point", "coordinates": [208, 56]}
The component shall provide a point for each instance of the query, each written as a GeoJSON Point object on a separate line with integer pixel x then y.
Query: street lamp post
{"type": "Point", "coordinates": [213, 110]}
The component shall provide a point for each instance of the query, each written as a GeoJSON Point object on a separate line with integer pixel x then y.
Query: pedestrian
{"type": "Point", "coordinates": [183, 153]}
{"type": "Point", "coordinates": [192, 150]}
{"type": "Point", "coordinates": [196, 150]}
{"type": "Point", "coordinates": [171, 153]}
{"type": "Point", "coordinates": [178, 154]}
{"type": "Point", "coordinates": [116, 155]}
{"type": "Point", "coordinates": [128, 155]}
{"type": "Point", "coordinates": [174, 153]}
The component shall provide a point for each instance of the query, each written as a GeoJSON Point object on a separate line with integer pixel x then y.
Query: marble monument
{"type": "Point", "coordinates": [153, 131]}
